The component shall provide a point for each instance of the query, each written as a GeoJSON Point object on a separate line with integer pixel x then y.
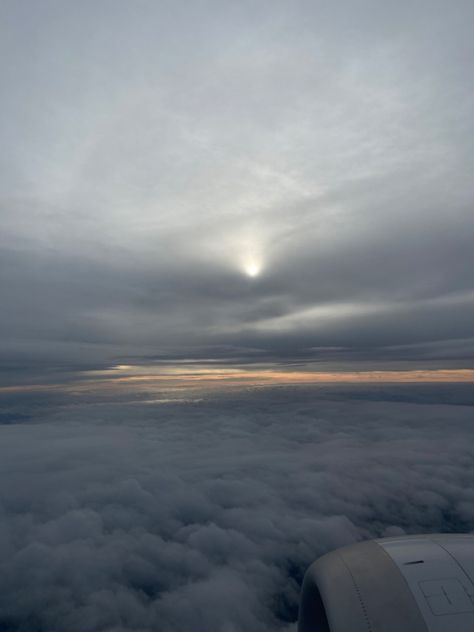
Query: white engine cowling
{"type": "Point", "coordinates": [405, 584]}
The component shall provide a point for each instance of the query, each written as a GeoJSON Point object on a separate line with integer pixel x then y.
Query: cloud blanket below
{"type": "Point", "coordinates": [203, 515]}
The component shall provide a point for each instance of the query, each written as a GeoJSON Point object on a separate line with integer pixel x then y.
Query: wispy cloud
{"type": "Point", "coordinates": [285, 183]}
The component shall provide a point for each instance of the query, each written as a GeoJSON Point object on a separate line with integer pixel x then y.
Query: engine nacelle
{"type": "Point", "coordinates": [405, 584]}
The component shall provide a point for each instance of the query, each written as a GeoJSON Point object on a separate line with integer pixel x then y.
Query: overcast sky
{"type": "Point", "coordinates": [236, 181]}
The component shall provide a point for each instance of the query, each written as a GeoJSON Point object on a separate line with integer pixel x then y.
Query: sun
{"type": "Point", "coordinates": [251, 261]}
{"type": "Point", "coordinates": [252, 270]}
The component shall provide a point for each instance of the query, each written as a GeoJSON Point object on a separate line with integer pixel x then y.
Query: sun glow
{"type": "Point", "coordinates": [252, 267]}
{"type": "Point", "coordinates": [252, 270]}
{"type": "Point", "coordinates": [181, 378]}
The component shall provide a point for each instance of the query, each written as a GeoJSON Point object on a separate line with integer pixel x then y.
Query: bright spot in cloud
{"type": "Point", "coordinates": [252, 268]}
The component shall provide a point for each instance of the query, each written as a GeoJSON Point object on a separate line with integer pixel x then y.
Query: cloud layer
{"type": "Point", "coordinates": [204, 515]}
{"type": "Point", "coordinates": [152, 152]}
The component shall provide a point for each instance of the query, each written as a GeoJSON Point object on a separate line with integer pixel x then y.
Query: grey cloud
{"type": "Point", "coordinates": [149, 151]}
{"type": "Point", "coordinates": [204, 515]}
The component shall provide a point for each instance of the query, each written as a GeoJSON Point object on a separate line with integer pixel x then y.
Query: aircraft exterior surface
{"type": "Point", "coordinates": [404, 584]}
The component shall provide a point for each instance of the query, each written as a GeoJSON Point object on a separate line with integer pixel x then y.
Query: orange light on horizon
{"type": "Point", "coordinates": [184, 377]}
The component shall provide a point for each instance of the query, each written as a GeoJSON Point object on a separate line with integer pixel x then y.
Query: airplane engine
{"type": "Point", "coordinates": [405, 584]}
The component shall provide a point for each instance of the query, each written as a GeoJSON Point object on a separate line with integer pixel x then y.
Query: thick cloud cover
{"type": "Point", "coordinates": [202, 515]}
{"type": "Point", "coordinates": [153, 151]}
{"type": "Point", "coordinates": [222, 184]}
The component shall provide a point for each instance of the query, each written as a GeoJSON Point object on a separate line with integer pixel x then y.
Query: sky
{"type": "Point", "coordinates": [281, 186]}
